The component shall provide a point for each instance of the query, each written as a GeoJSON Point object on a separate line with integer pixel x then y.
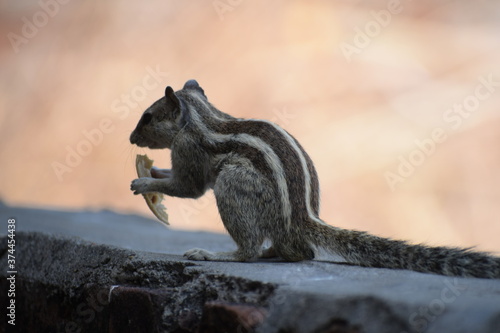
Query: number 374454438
{"type": "Point", "coordinates": [11, 243]}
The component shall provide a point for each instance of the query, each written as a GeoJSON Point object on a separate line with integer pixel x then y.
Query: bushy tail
{"type": "Point", "coordinates": [363, 249]}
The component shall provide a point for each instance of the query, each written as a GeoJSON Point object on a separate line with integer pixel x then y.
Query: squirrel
{"type": "Point", "coordinates": [266, 187]}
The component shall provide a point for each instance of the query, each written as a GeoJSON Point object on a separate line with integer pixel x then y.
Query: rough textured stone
{"type": "Point", "coordinates": [219, 317]}
{"type": "Point", "coordinates": [133, 309]}
{"type": "Point", "coordinates": [106, 272]}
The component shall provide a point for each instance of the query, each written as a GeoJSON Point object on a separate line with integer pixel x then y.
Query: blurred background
{"type": "Point", "coordinates": [397, 102]}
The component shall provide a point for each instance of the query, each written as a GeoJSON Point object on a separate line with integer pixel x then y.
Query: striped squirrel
{"type": "Point", "coordinates": [266, 187]}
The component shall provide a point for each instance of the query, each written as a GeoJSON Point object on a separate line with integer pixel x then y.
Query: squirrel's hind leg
{"type": "Point", "coordinates": [238, 190]}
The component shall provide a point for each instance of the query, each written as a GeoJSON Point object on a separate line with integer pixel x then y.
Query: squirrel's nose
{"type": "Point", "coordinates": [133, 138]}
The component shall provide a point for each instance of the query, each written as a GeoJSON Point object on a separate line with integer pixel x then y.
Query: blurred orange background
{"type": "Point", "coordinates": [397, 102]}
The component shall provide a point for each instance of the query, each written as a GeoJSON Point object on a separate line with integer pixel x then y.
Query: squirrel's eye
{"type": "Point", "coordinates": [146, 119]}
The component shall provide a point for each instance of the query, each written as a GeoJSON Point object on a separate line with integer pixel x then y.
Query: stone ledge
{"type": "Point", "coordinates": [66, 284]}
{"type": "Point", "coordinates": [70, 284]}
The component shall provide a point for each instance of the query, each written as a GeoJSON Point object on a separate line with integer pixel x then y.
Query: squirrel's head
{"type": "Point", "coordinates": [163, 120]}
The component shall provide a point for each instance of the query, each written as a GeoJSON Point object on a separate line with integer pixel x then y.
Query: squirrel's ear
{"type": "Point", "coordinates": [193, 85]}
{"type": "Point", "coordinates": [170, 95]}
{"type": "Point", "coordinates": [179, 111]}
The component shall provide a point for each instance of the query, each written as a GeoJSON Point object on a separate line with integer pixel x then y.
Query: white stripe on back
{"type": "Point", "coordinates": [271, 158]}
{"type": "Point", "coordinates": [305, 169]}
{"type": "Point", "coordinates": [255, 142]}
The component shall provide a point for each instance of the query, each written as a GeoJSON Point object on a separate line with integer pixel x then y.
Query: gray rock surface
{"type": "Point", "coordinates": [108, 272]}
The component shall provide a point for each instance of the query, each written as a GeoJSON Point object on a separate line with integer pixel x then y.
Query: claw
{"type": "Point", "coordinates": [140, 185]}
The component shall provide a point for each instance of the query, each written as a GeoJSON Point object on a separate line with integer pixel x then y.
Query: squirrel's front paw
{"type": "Point", "coordinates": [199, 254]}
{"type": "Point", "coordinates": [142, 185]}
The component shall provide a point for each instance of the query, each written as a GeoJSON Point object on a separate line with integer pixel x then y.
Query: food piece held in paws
{"type": "Point", "coordinates": [143, 166]}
